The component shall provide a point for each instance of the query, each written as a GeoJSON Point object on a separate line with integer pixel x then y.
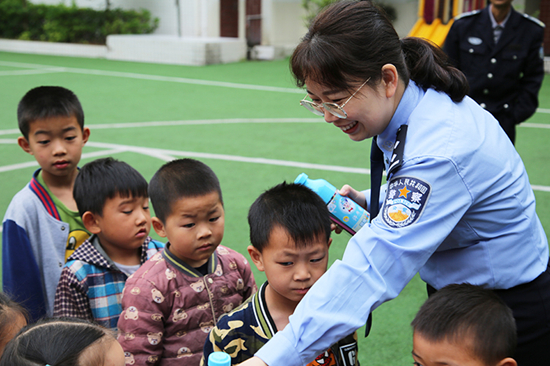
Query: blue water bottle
{"type": "Point", "coordinates": [343, 211]}
{"type": "Point", "coordinates": [219, 359]}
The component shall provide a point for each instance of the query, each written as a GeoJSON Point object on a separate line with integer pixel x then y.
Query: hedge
{"type": "Point", "coordinates": [20, 19]}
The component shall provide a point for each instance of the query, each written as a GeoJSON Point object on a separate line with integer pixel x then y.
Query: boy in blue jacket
{"type": "Point", "coordinates": [42, 227]}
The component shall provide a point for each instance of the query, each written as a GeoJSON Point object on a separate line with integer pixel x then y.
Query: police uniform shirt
{"type": "Point", "coordinates": [460, 209]}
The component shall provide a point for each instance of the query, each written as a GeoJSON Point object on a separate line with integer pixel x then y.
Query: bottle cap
{"type": "Point", "coordinates": [301, 179]}
{"type": "Point", "coordinates": [219, 359]}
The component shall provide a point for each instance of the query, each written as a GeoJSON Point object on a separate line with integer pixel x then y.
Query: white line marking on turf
{"type": "Point", "coordinates": [534, 125]}
{"type": "Point", "coordinates": [205, 122]}
{"type": "Point", "coordinates": [168, 155]}
{"type": "Point", "coordinates": [156, 78]}
{"type": "Point", "coordinates": [29, 72]}
{"type": "Point", "coordinates": [540, 188]}
{"type": "Point", "coordinates": [242, 159]}
{"type": "Point", "coordinates": [188, 122]}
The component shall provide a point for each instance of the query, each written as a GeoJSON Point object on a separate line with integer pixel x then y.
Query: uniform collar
{"type": "Point", "coordinates": [410, 99]}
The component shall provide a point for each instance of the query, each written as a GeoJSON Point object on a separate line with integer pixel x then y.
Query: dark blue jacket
{"type": "Point", "coordinates": [504, 78]}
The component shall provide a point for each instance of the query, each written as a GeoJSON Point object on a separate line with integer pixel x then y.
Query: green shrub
{"type": "Point", "coordinates": [20, 19]}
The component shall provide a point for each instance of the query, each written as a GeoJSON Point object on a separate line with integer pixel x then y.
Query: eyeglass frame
{"type": "Point", "coordinates": [318, 112]}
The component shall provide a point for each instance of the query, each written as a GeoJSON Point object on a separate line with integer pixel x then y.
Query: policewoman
{"type": "Point", "coordinates": [500, 52]}
{"type": "Point", "coordinates": [458, 205]}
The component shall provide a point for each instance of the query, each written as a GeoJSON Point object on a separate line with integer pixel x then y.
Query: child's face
{"type": "Point", "coordinates": [56, 144]}
{"type": "Point", "coordinates": [290, 271]}
{"type": "Point", "coordinates": [194, 228]}
{"type": "Point", "coordinates": [11, 330]}
{"type": "Point", "coordinates": [443, 353]}
{"type": "Point", "coordinates": [124, 224]}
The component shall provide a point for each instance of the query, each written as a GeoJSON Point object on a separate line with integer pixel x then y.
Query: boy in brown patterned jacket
{"type": "Point", "coordinates": [174, 299]}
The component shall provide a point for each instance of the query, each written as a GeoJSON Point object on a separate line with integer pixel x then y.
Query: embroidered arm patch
{"type": "Point", "coordinates": [405, 201]}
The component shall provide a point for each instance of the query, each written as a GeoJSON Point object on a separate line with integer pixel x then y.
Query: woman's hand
{"type": "Point", "coordinates": [356, 196]}
{"type": "Point", "coordinates": [254, 361]}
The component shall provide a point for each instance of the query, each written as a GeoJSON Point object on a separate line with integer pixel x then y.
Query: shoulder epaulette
{"type": "Point", "coordinates": [534, 20]}
{"type": "Point", "coordinates": [467, 14]}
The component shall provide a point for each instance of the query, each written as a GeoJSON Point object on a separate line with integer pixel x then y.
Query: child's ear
{"type": "Point", "coordinates": [90, 222]}
{"type": "Point", "coordinates": [508, 362]}
{"type": "Point", "coordinates": [85, 134]}
{"type": "Point", "coordinates": [158, 226]}
{"type": "Point", "coordinates": [329, 242]}
{"type": "Point", "coordinates": [256, 257]}
{"type": "Point", "coordinates": [24, 143]}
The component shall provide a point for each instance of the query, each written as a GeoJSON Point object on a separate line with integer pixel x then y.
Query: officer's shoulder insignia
{"type": "Point", "coordinates": [405, 201]}
{"type": "Point", "coordinates": [467, 14]}
{"type": "Point", "coordinates": [534, 20]}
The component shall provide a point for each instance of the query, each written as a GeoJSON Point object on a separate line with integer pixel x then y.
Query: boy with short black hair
{"type": "Point", "coordinates": [290, 234]}
{"type": "Point", "coordinates": [42, 227]}
{"type": "Point", "coordinates": [171, 303]}
{"type": "Point", "coordinates": [464, 325]}
{"type": "Point", "coordinates": [112, 199]}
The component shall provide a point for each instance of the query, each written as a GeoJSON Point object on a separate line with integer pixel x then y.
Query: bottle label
{"type": "Point", "coordinates": [347, 213]}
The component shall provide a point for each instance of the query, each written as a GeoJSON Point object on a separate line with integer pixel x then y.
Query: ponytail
{"type": "Point", "coordinates": [429, 67]}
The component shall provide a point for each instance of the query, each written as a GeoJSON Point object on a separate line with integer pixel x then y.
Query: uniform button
{"type": "Point", "coordinates": [506, 106]}
{"type": "Point", "coordinates": [515, 57]}
{"type": "Point", "coordinates": [493, 60]}
{"type": "Point", "coordinates": [490, 76]}
{"type": "Point", "coordinates": [62, 228]}
{"type": "Point", "coordinates": [210, 280]}
{"type": "Point", "coordinates": [60, 264]}
{"type": "Point", "coordinates": [482, 105]}
{"type": "Point", "coordinates": [388, 145]}
{"type": "Point", "coordinates": [471, 50]}
{"type": "Point", "coordinates": [485, 91]}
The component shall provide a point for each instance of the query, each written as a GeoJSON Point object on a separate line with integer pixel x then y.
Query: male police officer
{"type": "Point", "coordinates": [500, 52]}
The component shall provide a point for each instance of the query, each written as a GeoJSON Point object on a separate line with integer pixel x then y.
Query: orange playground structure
{"type": "Point", "coordinates": [435, 17]}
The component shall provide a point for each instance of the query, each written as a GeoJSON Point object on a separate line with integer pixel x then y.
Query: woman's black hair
{"type": "Point", "coordinates": [56, 342]}
{"type": "Point", "coordinates": [349, 42]}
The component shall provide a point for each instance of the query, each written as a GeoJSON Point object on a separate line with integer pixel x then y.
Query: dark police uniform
{"type": "Point", "coordinates": [505, 77]}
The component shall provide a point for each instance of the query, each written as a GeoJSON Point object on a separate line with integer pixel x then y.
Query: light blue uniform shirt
{"type": "Point", "coordinates": [472, 219]}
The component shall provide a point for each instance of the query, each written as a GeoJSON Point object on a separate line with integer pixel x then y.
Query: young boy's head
{"type": "Point", "coordinates": [464, 325]}
{"type": "Point", "coordinates": [112, 199]}
{"type": "Point", "coordinates": [188, 204]}
{"type": "Point", "coordinates": [51, 121]}
{"type": "Point", "coordinates": [290, 236]}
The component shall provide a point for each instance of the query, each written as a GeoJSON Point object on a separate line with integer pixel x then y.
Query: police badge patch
{"type": "Point", "coordinates": [405, 201]}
